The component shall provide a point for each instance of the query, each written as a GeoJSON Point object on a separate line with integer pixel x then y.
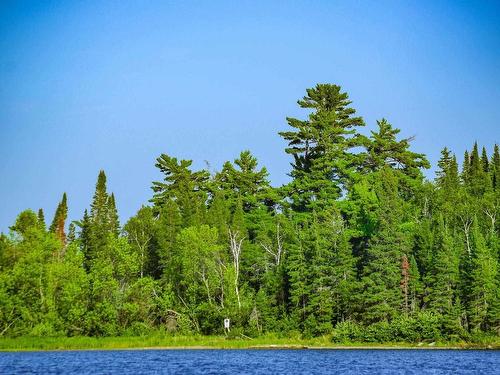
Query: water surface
{"type": "Point", "coordinates": [252, 362]}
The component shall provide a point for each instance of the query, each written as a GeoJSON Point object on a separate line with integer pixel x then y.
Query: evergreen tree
{"type": "Point", "coordinates": [102, 223]}
{"type": "Point", "coordinates": [71, 233]}
{"type": "Point", "coordinates": [466, 168]}
{"type": "Point", "coordinates": [483, 294]}
{"type": "Point", "coordinates": [244, 181]}
{"type": "Point", "coordinates": [41, 219]}
{"type": "Point", "coordinates": [495, 168]}
{"type": "Point", "coordinates": [478, 180]}
{"type": "Point", "coordinates": [382, 297]}
{"type": "Point", "coordinates": [484, 161]}
{"type": "Point", "coordinates": [59, 221]}
{"type": "Point", "coordinates": [444, 278]}
{"type": "Point", "coordinates": [188, 189]}
{"type": "Point", "coordinates": [114, 221]}
{"type": "Point", "coordinates": [383, 149]}
{"type": "Point", "coordinates": [322, 148]}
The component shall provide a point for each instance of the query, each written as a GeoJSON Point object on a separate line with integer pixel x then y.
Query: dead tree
{"type": "Point", "coordinates": [275, 253]}
{"type": "Point", "coordinates": [235, 243]}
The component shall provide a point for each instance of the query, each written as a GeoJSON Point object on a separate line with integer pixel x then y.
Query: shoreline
{"type": "Point", "coordinates": [30, 344]}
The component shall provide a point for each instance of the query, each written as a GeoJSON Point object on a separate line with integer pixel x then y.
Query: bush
{"type": "Point", "coordinates": [44, 330]}
{"type": "Point", "coordinates": [423, 326]}
{"type": "Point", "coordinates": [378, 332]}
{"type": "Point", "coordinates": [345, 332]}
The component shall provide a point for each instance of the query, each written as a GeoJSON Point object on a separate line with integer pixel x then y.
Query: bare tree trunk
{"type": "Point", "coordinates": [492, 215]}
{"type": "Point", "coordinates": [276, 254]}
{"type": "Point", "coordinates": [235, 243]}
{"type": "Point", "coordinates": [142, 248]}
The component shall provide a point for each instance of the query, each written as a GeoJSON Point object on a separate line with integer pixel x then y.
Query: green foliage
{"type": "Point", "coordinates": [357, 246]}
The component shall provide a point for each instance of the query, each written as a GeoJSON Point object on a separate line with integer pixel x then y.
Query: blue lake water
{"type": "Point", "coordinates": [253, 362]}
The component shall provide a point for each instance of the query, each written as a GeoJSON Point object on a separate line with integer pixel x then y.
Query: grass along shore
{"type": "Point", "coordinates": [214, 342]}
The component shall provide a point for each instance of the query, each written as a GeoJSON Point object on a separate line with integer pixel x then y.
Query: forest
{"type": "Point", "coordinates": [359, 245]}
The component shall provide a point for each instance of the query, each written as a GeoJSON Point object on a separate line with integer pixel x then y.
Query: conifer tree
{"type": "Point", "coordinates": [478, 180]}
{"type": "Point", "coordinates": [447, 175]}
{"type": "Point", "coordinates": [41, 219]}
{"type": "Point", "coordinates": [465, 175]}
{"type": "Point", "coordinates": [84, 240]}
{"type": "Point", "coordinates": [168, 227]}
{"type": "Point", "coordinates": [495, 168]}
{"type": "Point", "coordinates": [102, 221]}
{"type": "Point", "coordinates": [114, 221]}
{"type": "Point", "coordinates": [187, 188]}
{"type": "Point", "coordinates": [415, 286]}
{"type": "Point", "coordinates": [444, 278]}
{"type": "Point", "coordinates": [218, 216]}
{"type": "Point", "coordinates": [382, 297]}
{"type": "Point", "coordinates": [383, 149]}
{"type": "Point", "coordinates": [71, 233]}
{"type": "Point", "coordinates": [244, 181]}
{"type": "Point", "coordinates": [58, 223]}
{"type": "Point", "coordinates": [322, 147]}
{"type": "Point", "coordinates": [484, 161]}
{"type": "Point", "coordinates": [483, 293]}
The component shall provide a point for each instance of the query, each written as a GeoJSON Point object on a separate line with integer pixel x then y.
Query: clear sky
{"type": "Point", "coordinates": [89, 85]}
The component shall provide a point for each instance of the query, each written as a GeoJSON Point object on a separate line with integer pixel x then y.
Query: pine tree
{"type": "Point", "coordinates": [383, 149]}
{"type": "Point", "coordinates": [321, 148]}
{"type": "Point", "coordinates": [244, 181]}
{"type": "Point", "coordinates": [187, 188]}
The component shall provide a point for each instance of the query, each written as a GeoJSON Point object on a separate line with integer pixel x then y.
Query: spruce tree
{"type": "Point", "coordinates": [478, 180]}
{"type": "Point", "coordinates": [495, 168]}
{"type": "Point", "coordinates": [58, 223]}
{"type": "Point", "coordinates": [114, 221]}
{"type": "Point", "coordinates": [41, 219]}
{"type": "Point", "coordinates": [382, 296]}
{"type": "Point", "coordinates": [465, 175]}
{"type": "Point", "coordinates": [445, 278]}
{"type": "Point", "coordinates": [484, 161]}
{"type": "Point", "coordinates": [102, 221]}
{"type": "Point", "coordinates": [71, 233]}
{"type": "Point", "coordinates": [483, 293]}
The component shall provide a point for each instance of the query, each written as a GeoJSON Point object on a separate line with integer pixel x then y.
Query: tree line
{"type": "Point", "coordinates": [358, 245]}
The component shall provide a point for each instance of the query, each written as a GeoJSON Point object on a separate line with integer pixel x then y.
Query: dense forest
{"type": "Point", "coordinates": [358, 245]}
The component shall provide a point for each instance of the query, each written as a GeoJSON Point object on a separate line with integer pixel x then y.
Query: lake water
{"type": "Point", "coordinates": [253, 362]}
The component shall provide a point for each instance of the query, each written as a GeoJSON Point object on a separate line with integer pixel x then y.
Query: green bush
{"type": "Point", "coordinates": [347, 332]}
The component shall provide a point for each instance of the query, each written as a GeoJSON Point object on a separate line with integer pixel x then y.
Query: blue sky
{"type": "Point", "coordinates": [112, 84]}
